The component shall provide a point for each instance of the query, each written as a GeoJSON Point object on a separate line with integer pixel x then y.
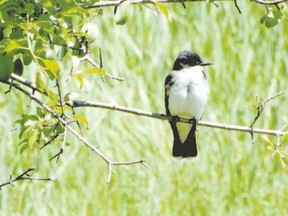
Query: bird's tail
{"type": "Point", "coordinates": [188, 148]}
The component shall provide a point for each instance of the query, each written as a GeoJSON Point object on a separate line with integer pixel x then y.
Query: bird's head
{"type": "Point", "coordinates": [188, 58]}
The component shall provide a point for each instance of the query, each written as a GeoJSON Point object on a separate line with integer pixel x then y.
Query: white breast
{"type": "Point", "coordinates": [189, 93]}
{"type": "Point", "coordinates": [188, 96]}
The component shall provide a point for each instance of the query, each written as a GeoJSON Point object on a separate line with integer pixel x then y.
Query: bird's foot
{"type": "Point", "coordinates": [194, 121]}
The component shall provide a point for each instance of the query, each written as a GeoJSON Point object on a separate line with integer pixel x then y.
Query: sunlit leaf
{"type": "Point", "coordinates": [39, 82]}
{"type": "Point", "coordinates": [53, 98]}
{"type": "Point", "coordinates": [79, 80]}
{"type": "Point", "coordinates": [81, 118]}
{"type": "Point", "coordinates": [32, 138]}
{"type": "Point", "coordinates": [51, 68]}
{"type": "Point", "coordinates": [99, 71]}
{"type": "Point", "coordinates": [11, 45]}
{"type": "Point", "coordinates": [163, 8]}
{"type": "Point", "coordinates": [23, 142]}
{"type": "Point", "coordinates": [73, 11]}
{"type": "Point", "coordinates": [24, 147]}
{"type": "Point", "coordinates": [267, 140]}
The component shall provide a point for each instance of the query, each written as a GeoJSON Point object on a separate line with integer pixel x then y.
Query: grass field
{"type": "Point", "coordinates": [231, 176]}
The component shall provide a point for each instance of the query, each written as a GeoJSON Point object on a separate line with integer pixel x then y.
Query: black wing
{"type": "Point", "coordinates": [168, 84]}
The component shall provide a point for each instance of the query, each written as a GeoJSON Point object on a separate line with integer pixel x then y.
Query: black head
{"type": "Point", "coordinates": [188, 58]}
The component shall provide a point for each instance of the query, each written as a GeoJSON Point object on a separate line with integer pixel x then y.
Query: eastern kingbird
{"type": "Point", "coordinates": [186, 94]}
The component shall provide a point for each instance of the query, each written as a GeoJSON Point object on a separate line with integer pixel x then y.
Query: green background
{"type": "Point", "coordinates": [231, 176]}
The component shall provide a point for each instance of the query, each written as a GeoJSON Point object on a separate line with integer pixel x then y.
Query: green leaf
{"type": "Point", "coordinates": [79, 79]}
{"type": "Point", "coordinates": [53, 98]}
{"type": "Point", "coordinates": [72, 12]}
{"type": "Point", "coordinates": [81, 119]}
{"type": "Point", "coordinates": [271, 22]}
{"type": "Point", "coordinates": [11, 45]}
{"type": "Point", "coordinates": [51, 68]}
{"type": "Point", "coordinates": [284, 138]}
{"type": "Point", "coordinates": [6, 66]}
{"type": "Point", "coordinates": [163, 8]}
{"type": "Point", "coordinates": [23, 142]}
{"type": "Point", "coordinates": [32, 138]}
{"type": "Point", "coordinates": [24, 147]}
{"type": "Point", "coordinates": [277, 14]}
{"type": "Point", "coordinates": [122, 13]}
{"type": "Point", "coordinates": [40, 112]}
{"type": "Point", "coordinates": [263, 18]}
{"type": "Point", "coordinates": [267, 140]}
{"type": "Point", "coordinates": [29, 8]}
{"type": "Point", "coordinates": [71, 96]}
{"type": "Point", "coordinates": [99, 71]}
{"type": "Point", "coordinates": [39, 82]}
{"type": "Point", "coordinates": [27, 58]}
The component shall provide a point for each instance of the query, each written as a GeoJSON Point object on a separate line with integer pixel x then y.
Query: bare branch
{"type": "Point", "coordinates": [60, 98]}
{"type": "Point", "coordinates": [236, 5]}
{"type": "Point", "coordinates": [261, 107]}
{"type": "Point", "coordinates": [66, 125]}
{"type": "Point", "coordinates": [269, 2]}
{"type": "Point", "coordinates": [117, 3]}
{"type": "Point", "coordinates": [23, 176]}
{"type": "Point", "coordinates": [62, 147]}
{"type": "Point", "coordinates": [75, 104]}
{"type": "Point", "coordinates": [26, 83]}
{"type": "Point", "coordinates": [49, 141]}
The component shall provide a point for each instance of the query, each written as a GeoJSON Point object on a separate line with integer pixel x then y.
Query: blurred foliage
{"type": "Point", "coordinates": [230, 177]}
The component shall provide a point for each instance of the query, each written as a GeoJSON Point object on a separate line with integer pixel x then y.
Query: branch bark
{"type": "Point", "coordinates": [109, 162]}
{"type": "Point", "coordinates": [250, 130]}
{"type": "Point", "coordinates": [77, 104]}
{"type": "Point", "coordinates": [23, 176]}
{"type": "Point", "coordinates": [117, 3]}
{"type": "Point", "coordinates": [269, 2]}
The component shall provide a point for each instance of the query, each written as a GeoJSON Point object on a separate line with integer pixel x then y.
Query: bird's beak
{"type": "Point", "coordinates": [206, 63]}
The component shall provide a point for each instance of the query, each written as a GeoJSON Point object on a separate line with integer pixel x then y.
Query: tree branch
{"type": "Point", "coordinates": [27, 83]}
{"type": "Point", "coordinates": [75, 104]}
{"type": "Point", "coordinates": [23, 176]}
{"type": "Point", "coordinates": [269, 2]}
{"type": "Point", "coordinates": [88, 59]}
{"type": "Point", "coordinates": [117, 3]}
{"type": "Point", "coordinates": [74, 132]}
{"type": "Point", "coordinates": [260, 108]}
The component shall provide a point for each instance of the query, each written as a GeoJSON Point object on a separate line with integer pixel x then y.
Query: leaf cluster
{"type": "Point", "coordinates": [275, 14]}
{"type": "Point", "coordinates": [29, 28]}
{"type": "Point", "coordinates": [40, 128]}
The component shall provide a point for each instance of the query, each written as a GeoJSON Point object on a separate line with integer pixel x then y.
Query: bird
{"type": "Point", "coordinates": [186, 95]}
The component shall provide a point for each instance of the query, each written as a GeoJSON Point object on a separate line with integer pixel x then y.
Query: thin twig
{"type": "Point", "coordinates": [23, 176]}
{"type": "Point", "coordinates": [119, 2]}
{"type": "Point", "coordinates": [75, 104]}
{"type": "Point", "coordinates": [87, 58]}
{"type": "Point", "coordinates": [260, 108]}
{"type": "Point", "coordinates": [236, 5]}
{"type": "Point", "coordinates": [60, 98]}
{"type": "Point", "coordinates": [49, 141]}
{"type": "Point", "coordinates": [78, 123]}
{"type": "Point", "coordinates": [62, 147]}
{"type": "Point", "coordinates": [269, 2]}
{"type": "Point", "coordinates": [66, 125]}
{"type": "Point", "coordinates": [27, 83]}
